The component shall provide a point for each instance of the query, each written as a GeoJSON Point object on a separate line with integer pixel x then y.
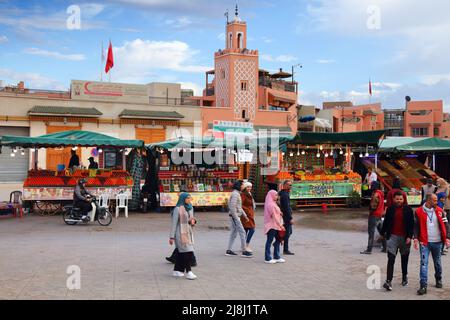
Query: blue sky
{"type": "Point", "coordinates": [402, 45]}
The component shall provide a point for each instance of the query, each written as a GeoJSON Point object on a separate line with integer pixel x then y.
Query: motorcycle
{"type": "Point", "coordinates": [72, 215]}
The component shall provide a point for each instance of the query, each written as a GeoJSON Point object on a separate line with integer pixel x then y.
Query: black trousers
{"type": "Point", "coordinates": [288, 228]}
{"type": "Point", "coordinates": [183, 261]}
{"type": "Point", "coordinates": [84, 206]}
{"type": "Point", "coordinates": [372, 225]}
{"type": "Point", "coordinates": [391, 263]}
{"type": "Point", "coordinates": [174, 255]}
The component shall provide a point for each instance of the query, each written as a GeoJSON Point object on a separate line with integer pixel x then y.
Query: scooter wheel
{"type": "Point", "coordinates": [105, 219]}
{"type": "Point", "coordinates": [67, 216]}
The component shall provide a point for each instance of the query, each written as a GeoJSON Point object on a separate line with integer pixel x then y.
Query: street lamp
{"type": "Point", "coordinates": [294, 66]}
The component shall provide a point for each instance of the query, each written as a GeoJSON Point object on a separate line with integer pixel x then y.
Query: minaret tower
{"type": "Point", "coordinates": [236, 72]}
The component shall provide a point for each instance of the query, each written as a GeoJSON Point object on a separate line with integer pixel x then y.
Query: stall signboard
{"type": "Point", "coordinates": [108, 91]}
{"type": "Point", "coordinates": [222, 129]}
{"type": "Point", "coordinates": [323, 189]}
{"type": "Point", "coordinates": [200, 199]}
{"type": "Point", "coordinates": [66, 193]}
{"type": "Point", "coordinates": [414, 200]}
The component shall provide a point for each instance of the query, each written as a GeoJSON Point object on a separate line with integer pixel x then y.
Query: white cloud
{"type": "Point", "coordinates": [54, 54]}
{"type": "Point", "coordinates": [280, 58]}
{"type": "Point", "coordinates": [32, 80]}
{"type": "Point", "coordinates": [138, 60]}
{"type": "Point", "coordinates": [3, 39]}
{"type": "Point", "coordinates": [325, 61]}
{"type": "Point", "coordinates": [221, 36]}
{"type": "Point", "coordinates": [419, 29]}
{"type": "Point", "coordinates": [181, 22]}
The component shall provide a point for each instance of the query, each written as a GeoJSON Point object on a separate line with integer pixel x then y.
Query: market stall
{"type": "Point", "coordinates": [321, 166]}
{"type": "Point", "coordinates": [410, 159]}
{"type": "Point", "coordinates": [208, 168]}
{"type": "Point", "coordinates": [209, 184]}
{"type": "Point", "coordinates": [48, 190]}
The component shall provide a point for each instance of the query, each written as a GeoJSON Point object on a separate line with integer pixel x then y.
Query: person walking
{"type": "Point", "coordinates": [183, 236]}
{"type": "Point", "coordinates": [396, 186]}
{"type": "Point", "coordinates": [249, 206]}
{"type": "Point", "coordinates": [235, 212]}
{"type": "Point", "coordinates": [376, 210]}
{"type": "Point", "coordinates": [428, 188]}
{"type": "Point", "coordinates": [429, 234]}
{"type": "Point", "coordinates": [398, 230]}
{"type": "Point", "coordinates": [273, 225]}
{"type": "Point", "coordinates": [286, 210]}
{"type": "Point", "coordinates": [442, 193]}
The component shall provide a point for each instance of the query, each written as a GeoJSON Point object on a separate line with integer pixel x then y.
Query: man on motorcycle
{"type": "Point", "coordinates": [82, 198]}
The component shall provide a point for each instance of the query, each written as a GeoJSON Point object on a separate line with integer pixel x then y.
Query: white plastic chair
{"type": "Point", "coordinates": [122, 203]}
{"type": "Point", "coordinates": [104, 200]}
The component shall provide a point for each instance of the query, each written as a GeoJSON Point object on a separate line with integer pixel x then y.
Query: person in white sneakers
{"type": "Point", "coordinates": [273, 225]}
{"type": "Point", "coordinates": [183, 236]}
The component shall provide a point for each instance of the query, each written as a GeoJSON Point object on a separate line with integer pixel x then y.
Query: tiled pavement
{"type": "Point", "coordinates": [126, 261]}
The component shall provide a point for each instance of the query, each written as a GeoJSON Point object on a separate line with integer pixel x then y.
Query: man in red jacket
{"type": "Point", "coordinates": [430, 234]}
{"type": "Point", "coordinates": [376, 211]}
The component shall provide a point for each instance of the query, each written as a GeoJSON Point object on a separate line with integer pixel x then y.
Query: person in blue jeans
{"type": "Point", "coordinates": [430, 234]}
{"type": "Point", "coordinates": [273, 223]}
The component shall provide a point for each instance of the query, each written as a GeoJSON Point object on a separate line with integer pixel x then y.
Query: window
{"type": "Point", "coordinates": [243, 114]}
{"type": "Point", "coordinates": [420, 132]}
{"type": "Point", "coordinates": [222, 73]}
{"type": "Point", "coordinates": [436, 132]}
{"type": "Point", "coordinates": [243, 85]}
{"type": "Point", "coordinates": [419, 112]}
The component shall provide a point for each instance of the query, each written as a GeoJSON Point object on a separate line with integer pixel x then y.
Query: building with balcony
{"type": "Point", "coordinates": [350, 118]}
{"type": "Point", "coordinates": [424, 119]}
{"type": "Point", "coordinates": [238, 90]}
{"type": "Point", "coordinates": [152, 112]}
{"type": "Point", "coordinates": [394, 121]}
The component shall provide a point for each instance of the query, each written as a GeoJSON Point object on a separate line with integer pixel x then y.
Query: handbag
{"type": "Point", "coordinates": [280, 235]}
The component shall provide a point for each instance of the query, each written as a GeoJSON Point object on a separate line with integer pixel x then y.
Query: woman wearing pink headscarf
{"type": "Point", "coordinates": [273, 222]}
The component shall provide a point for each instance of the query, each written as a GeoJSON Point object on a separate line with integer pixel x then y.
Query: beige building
{"type": "Point", "coordinates": [153, 112]}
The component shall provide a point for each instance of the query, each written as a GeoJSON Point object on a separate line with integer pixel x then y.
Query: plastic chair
{"type": "Point", "coordinates": [104, 200]}
{"type": "Point", "coordinates": [122, 203]}
{"type": "Point", "coordinates": [15, 198]}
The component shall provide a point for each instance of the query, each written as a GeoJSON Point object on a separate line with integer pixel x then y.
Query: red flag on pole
{"type": "Point", "coordinates": [110, 59]}
{"type": "Point", "coordinates": [370, 87]}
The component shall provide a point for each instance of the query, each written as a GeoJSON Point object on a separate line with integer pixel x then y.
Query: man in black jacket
{"type": "Point", "coordinates": [285, 206]}
{"type": "Point", "coordinates": [398, 230]}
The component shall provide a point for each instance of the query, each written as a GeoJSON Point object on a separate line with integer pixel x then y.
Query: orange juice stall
{"type": "Point", "coordinates": [48, 190]}
{"type": "Point", "coordinates": [320, 166]}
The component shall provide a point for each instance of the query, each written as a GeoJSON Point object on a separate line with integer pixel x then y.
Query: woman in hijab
{"type": "Point", "coordinates": [248, 205]}
{"type": "Point", "coordinates": [183, 236]}
{"type": "Point", "coordinates": [273, 223]}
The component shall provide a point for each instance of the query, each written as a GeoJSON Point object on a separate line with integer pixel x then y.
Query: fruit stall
{"type": "Point", "coordinates": [410, 159]}
{"type": "Point", "coordinates": [48, 190]}
{"type": "Point", "coordinates": [320, 166]}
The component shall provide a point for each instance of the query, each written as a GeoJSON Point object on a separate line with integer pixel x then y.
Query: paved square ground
{"type": "Point", "coordinates": [126, 261]}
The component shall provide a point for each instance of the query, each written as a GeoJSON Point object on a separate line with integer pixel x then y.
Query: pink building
{"type": "Point", "coordinates": [424, 119]}
{"type": "Point", "coordinates": [240, 91]}
{"type": "Point", "coordinates": [350, 118]}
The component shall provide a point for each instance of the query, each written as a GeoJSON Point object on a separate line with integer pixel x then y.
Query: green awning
{"type": "Point", "coordinates": [69, 138]}
{"type": "Point", "coordinates": [350, 138]}
{"type": "Point", "coordinates": [64, 111]}
{"type": "Point", "coordinates": [211, 142]}
{"type": "Point", "coordinates": [405, 144]}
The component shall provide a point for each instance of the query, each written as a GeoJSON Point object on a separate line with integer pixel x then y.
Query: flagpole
{"type": "Point", "coordinates": [110, 68]}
